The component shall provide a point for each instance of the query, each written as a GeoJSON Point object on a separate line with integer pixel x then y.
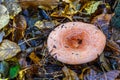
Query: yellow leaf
{"type": "Point", "coordinates": [91, 6]}
{"type": "Point", "coordinates": [35, 59]}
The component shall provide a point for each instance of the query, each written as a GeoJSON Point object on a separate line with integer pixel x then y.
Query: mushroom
{"type": "Point", "coordinates": [76, 42]}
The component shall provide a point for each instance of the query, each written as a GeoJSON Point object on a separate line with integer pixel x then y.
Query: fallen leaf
{"type": "Point", "coordinates": [91, 75]}
{"type": "Point", "coordinates": [46, 24]}
{"type": "Point", "coordinates": [8, 49]}
{"type": "Point", "coordinates": [102, 21]}
{"type": "Point", "coordinates": [68, 11]}
{"type": "Point", "coordinates": [47, 5]}
{"type": "Point", "coordinates": [19, 27]}
{"type": "Point", "coordinates": [14, 71]}
{"type": "Point", "coordinates": [110, 75]}
{"type": "Point", "coordinates": [69, 74]}
{"type": "Point", "coordinates": [81, 76]}
{"type": "Point", "coordinates": [22, 73]}
{"type": "Point", "coordinates": [59, 14]}
{"type": "Point", "coordinates": [35, 59]}
{"type": "Point", "coordinates": [104, 62]}
{"type": "Point", "coordinates": [113, 45]}
{"type": "Point", "coordinates": [90, 7]}
{"type": "Point", "coordinates": [4, 16]}
{"type": "Point", "coordinates": [13, 7]}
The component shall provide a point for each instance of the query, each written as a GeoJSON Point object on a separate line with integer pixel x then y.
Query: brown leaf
{"type": "Point", "coordinates": [46, 4]}
{"type": "Point", "coordinates": [19, 25]}
{"type": "Point", "coordinates": [69, 74]}
{"type": "Point", "coordinates": [105, 17]}
{"type": "Point", "coordinates": [113, 45]}
{"type": "Point", "coordinates": [8, 49]}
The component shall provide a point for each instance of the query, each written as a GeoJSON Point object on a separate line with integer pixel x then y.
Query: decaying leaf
{"type": "Point", "coordinates": [69, 74]}
{"type": "Point", "coordinates": [90, 7]}
{"type": "Point", "coordinates": [22, 73]}
{"type": "Point", "coordinates": [46, 24]}
{"type": "Point", "coordinates": [60, 14]}
{"type": "Point", "coordinates": [4, 16]}
{"type": "Point", "coordinates": [111, 75]}
{"type": "Point", "coordinates": [19, 27]}
{"type": "Point", "coordinates": [13, 7]}
{"type": "Point", "coordinates": [35, 59]}
{"type": "Point", "coordinates": [47, 5]}
{"type": "Point", "coordinates": [70, 9]}
{"type": "Point", "coordinates": [93, 75]}
{"type": "Point", "coordinates": [104, 17]}
{"type": "Point", "coordinates": [113, 45]}
{"type": "Point", "coordinates": [104, 62]}
{"type": "Point", "coordinates": [8, 49]}
{"type": "Point", "coordinates": [81, 76]}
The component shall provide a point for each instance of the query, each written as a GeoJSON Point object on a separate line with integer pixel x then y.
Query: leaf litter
{"type": "Point", "coordinates": [26, 24]}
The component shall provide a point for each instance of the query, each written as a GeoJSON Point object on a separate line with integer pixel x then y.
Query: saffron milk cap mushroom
{"type": "Point", "coordinates": [76, 42]}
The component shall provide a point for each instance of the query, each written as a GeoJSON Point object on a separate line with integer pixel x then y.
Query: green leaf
{"type": "Point", "coordinates": [14, 71]}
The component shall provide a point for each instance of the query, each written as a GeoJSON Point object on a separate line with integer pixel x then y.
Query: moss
{"type": "Point", "coordinates": [115, 21]}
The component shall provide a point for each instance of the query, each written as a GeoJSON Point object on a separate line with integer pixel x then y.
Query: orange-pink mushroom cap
{"type": "Point", "coordinates": [76, 42]}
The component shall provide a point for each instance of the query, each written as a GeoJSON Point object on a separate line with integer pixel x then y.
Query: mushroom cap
{"type": "Point", "coordinates": [76, 42]}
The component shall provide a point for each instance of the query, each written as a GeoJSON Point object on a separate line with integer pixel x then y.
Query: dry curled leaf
{"type": "Point", "coordinates": [8, 49]}
{"type": "Point", "coordinates": [4, 16]}
{"type": "Point", "coordinates": [69, 74]}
